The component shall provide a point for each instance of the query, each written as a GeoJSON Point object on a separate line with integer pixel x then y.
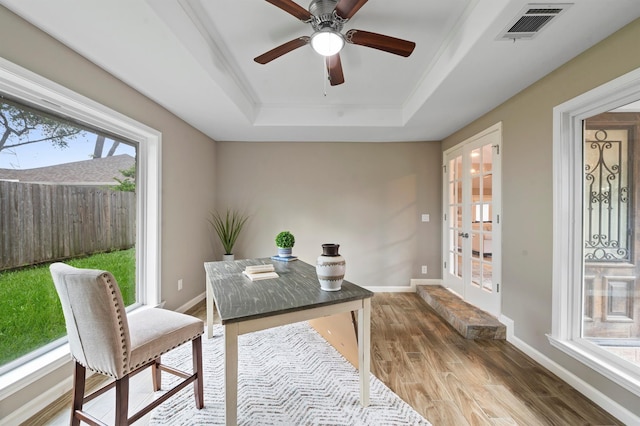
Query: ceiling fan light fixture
{"type": "Point", "coordinates": [327, 42]}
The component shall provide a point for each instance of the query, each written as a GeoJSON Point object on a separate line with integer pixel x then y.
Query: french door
{"type": "Point", "coordinates": [471, 226]}
{"type": "Point", "coordinates": [611, 308]}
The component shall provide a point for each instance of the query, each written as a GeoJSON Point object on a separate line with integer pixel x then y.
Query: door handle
{"type": "Point", "coordinates": [463, 234]}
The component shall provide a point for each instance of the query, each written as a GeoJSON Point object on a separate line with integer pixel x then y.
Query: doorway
{"type": "Point", "coordinates": [611, 308]}
{"type": "Point", "coordinates": [471, 225]}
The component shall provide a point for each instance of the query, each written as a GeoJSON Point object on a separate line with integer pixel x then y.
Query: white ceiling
{"type": "Point", "coordinates": [195, 57]}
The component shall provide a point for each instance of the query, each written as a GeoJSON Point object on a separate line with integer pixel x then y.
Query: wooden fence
{"type": "Point", "coordinates": [40, 223]}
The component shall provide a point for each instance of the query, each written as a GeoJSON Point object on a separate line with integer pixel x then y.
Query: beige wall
{"type": "Point", "coordinates": [527, 192]}
{"type": "Point", "coordinates": [187, 174]}
{"type": "Point", "coordinates": [367, 197]}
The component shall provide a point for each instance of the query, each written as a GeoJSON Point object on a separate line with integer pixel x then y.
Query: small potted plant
{"type": "Point", "coordinates": [228, 227]}
{"type": "Point", "coordinates": [285, 242]}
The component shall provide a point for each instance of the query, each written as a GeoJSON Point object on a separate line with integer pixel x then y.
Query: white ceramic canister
{"type": "Point", "coordinates": [330, 268]}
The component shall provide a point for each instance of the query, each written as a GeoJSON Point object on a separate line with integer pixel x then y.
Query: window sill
{"type": "Point", "coordinates": [610, 265]}
{"type": "Point", "coordinates": [28, 373]}
{"type": "Point", "coordinates": [610, 366]}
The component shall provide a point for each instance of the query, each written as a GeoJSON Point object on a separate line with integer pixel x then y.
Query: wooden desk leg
{"type": "Point", "coordinates": [209, 309]}
{"type": "Point", "coordinates": [364, 350]}
{"type": "Point", "coordinates": [231, 374]}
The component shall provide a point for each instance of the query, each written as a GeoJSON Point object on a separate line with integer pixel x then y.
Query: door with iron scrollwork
{"type": "Point", "coordinates": [611, 306]}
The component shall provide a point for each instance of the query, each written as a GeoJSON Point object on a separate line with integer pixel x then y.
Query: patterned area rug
{"type": "Point", "coordinates": [287, 375]}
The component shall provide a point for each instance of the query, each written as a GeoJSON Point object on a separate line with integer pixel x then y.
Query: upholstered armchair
{"type": "Point", "coordinates": [104, 339]}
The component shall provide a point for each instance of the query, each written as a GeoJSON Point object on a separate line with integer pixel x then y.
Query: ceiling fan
{"type": "Point", "coordinates": [327, 17]}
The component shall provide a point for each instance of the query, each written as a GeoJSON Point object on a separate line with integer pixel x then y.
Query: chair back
{"type": "Point", "coordinates": [95, 318]}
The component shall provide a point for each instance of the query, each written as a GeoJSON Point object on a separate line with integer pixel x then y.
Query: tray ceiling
{"type": "Point", "coordinates": [195, 57]}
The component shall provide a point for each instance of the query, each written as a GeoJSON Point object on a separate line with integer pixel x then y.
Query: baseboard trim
{"type": "Point", "coordinates": [391, 289]}
{"type": "Point", "coordinates": [421, 281]}
{"type": "Point", "coordinates": [191, 303]}
{"type": "Point", "coordinates": [602, 400]}
{"type": "Point", "coordinates": [38, 403]}
{"type": "Point", "coordinates": [411, 288]}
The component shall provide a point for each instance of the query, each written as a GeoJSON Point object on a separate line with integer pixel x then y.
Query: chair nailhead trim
{"type": "Point", "coordinates": [123, 340]}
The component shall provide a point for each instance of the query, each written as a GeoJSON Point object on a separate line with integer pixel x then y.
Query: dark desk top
{"type": "Point", "coordinates": [297, 288]}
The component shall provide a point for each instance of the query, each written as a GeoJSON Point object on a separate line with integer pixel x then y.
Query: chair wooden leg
{"type": "Point", "coordinates": [122, 401]}
{"type": "Point", "coordinates": [198, 384]}
{"type": "Point", "coordinates": [78, 392]}
{"type": "Point", "coordinates": [156, 375]}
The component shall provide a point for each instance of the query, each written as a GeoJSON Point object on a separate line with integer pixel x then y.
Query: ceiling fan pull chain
{"type": "Point", "coordinates": [326, 76]}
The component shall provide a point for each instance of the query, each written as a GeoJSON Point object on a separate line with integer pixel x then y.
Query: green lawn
{"type": "Point", "coordinates": [30, 312]}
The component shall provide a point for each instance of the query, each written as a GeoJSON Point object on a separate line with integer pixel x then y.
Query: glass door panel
{"type": "Point", "coordinates": [454, 270]}
{"type": "Point", "coordinates": [471, 178]}
{"type": "Point", "coordinates": [482, 206]}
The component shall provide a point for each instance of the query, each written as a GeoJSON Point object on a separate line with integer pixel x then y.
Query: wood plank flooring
{"type": "Point", "coordinates": [454, 381]}
{"type": "Point", "coordinates": [446, 378]}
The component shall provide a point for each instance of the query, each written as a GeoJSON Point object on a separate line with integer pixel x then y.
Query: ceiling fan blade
{"type": "Point", "coordinates": [334, 68]}
{"type": "Point", "coordinates": [381, 42]}
{"type": "Point", "coordinates": [293, 8]}
{"type": "Point", "coordinates": [347, 8]}
{"type": "Point", "coordinates": [281, 50]}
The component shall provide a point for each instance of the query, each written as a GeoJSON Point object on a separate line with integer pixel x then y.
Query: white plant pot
{"type": "Point", "coordinates": [228, 257]}
{"type": "Point", "coordinates": [284, 252]}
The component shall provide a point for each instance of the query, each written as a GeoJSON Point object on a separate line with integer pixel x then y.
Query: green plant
{"type": "Point", "coordinates": [285, 239]}
{"type": "Point", "coordinates": [228, 227]}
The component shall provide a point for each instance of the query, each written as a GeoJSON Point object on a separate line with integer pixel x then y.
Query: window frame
{"type": "Point", "coordinates": [568, 177]}
{"type": "Point", "coordinates": [31, 88]}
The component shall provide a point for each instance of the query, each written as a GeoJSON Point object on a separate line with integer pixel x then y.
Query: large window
{"type": "Point", "coordinates": [67, 193]}
{"type": "Point", "coordinates": [67, 114]}
{"type": "Point", "coordinates": [596, 314]}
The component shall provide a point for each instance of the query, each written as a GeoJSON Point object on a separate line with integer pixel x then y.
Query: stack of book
{"type": "Point", "coordinates": [260, 272]}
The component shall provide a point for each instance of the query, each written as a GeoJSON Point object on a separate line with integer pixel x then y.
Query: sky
{"type": "Point", "coordinates": [44, 154]}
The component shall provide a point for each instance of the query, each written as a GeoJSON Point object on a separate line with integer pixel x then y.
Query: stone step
{"type": "Point", "coordinates": [469, 321]}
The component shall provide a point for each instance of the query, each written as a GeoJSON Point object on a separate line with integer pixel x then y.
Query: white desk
{"type": "Point", "coordinates": [245, 306]}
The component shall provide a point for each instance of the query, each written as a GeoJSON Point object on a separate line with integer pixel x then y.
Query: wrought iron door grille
{"type": "Point", "coordinates": [606, 222]}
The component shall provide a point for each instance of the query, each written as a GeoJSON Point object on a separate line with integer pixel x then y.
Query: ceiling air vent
{"type": "Point", "coordinates": [531, 20]}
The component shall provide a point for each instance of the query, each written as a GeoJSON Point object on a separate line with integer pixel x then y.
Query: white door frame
{"type": "Point", "coordinates": [488, 300]}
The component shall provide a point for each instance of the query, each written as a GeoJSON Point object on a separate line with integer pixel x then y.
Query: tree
{"type": "Point", "coordinates": [97, 150]}
{"type": "Point", "coordinates": [128, 184]}
{"type": "Point", "coordinates": [99, 147]}
{"type": "Point", "coordinates": [19, 124]}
